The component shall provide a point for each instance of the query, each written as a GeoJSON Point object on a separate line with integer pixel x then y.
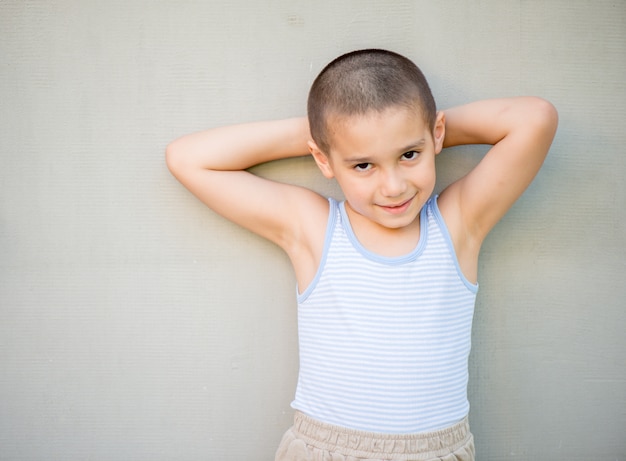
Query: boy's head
{"type": "Point", "coordinates": [362, 82]}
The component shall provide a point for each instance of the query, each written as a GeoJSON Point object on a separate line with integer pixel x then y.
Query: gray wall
{"type": "Point", "coordinates": [136, 324]}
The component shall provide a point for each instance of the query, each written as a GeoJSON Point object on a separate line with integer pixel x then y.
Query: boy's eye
{"type": "Point", "coordinates": [410, 155]}
{"type": "Point", "coordinates": [362, 166]}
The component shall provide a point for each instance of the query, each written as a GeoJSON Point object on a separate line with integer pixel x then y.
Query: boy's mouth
{"type": "Point", "coordinates": [397, 208]}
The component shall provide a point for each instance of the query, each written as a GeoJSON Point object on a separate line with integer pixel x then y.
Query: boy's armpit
{"type": "Point", "coordinates": [521, 131]}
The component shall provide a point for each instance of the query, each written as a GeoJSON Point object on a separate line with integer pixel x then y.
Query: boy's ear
{"type": "Point", "coordinates": [321, 159]}
{"type": "Point", "coordinates": [439, 132]}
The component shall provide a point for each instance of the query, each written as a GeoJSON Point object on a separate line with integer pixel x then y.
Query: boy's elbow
{"type": "Point", "coordinates": [546, 120]}
{"type": "Point", "coordinates": [172, 158]}
{"type": "Point", "coordinates": [546, 114]}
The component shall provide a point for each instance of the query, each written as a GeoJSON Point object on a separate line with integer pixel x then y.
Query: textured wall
{"type": "Point", "coordinates": [135, 324]}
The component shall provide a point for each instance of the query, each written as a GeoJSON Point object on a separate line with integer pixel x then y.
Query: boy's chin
{"type": "Point", "coordinates": [397, 222]}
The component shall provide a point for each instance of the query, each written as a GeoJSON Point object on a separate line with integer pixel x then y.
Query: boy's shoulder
{"type": "Point", "coordinates": [308, 218]}
{"type": "Point", "coordinates": [466, 249]}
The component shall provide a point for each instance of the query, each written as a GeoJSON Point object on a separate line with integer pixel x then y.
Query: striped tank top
{"type": "Point", "coordinates": [384, 341]}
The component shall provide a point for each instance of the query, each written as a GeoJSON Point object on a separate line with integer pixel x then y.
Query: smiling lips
{"type": "Point", "coordinates": [397, 209]}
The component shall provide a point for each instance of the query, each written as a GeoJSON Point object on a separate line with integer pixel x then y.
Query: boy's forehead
{"type": "Point", "coordinates": [408, 111]}
{"type": "Point", "coordinates": [395, 128]}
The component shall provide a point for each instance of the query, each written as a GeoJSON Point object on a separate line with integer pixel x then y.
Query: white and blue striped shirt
{"type": "Point", "coordinates": [384, 342]}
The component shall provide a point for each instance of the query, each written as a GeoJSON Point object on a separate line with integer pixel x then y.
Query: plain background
{"type": "Point", "coordinates": [137, 325]}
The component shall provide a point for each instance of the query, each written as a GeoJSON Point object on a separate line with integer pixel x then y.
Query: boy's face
{"type": "Point", "coordinates": [384, 163]}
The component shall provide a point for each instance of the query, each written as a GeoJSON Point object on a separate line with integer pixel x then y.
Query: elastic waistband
{"type": "Point", "coordinates": [365, 444]}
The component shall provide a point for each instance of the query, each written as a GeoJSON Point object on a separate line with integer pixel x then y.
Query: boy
{"type": "Point", "coordinates": [386, 279]}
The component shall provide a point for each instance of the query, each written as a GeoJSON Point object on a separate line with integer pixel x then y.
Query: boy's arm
{"type": "Point", "coordinates": [521, 131]}
{"type": "Point", "coordinates": [212, 164]}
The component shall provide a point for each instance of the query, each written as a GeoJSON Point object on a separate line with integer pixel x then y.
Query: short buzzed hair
{"type": "Point", "coordinates": [364, 81]}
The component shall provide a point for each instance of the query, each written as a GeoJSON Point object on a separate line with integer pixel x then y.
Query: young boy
{"type": "Point", "coordinates": [387, 279]}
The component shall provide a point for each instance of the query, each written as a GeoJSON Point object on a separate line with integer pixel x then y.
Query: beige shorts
{"type": "Point", "coordinates": [311, 440]}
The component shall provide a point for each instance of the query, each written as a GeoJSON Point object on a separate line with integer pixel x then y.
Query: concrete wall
{"type": "Point", "coordinates": [136, 324]}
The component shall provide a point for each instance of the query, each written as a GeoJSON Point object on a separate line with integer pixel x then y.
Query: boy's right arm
{"type": "Point", "coordinates": [212, 164]}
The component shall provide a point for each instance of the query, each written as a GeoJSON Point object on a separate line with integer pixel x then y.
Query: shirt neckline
{"type": "Point", "coordinates": [390, 260]}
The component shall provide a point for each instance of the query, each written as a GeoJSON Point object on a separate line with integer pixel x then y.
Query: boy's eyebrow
{"type": "Point", "coordinates": [367, 159]}
{"type": "Point", "coordinates": [414, 145]}
{"type": "Point", "coordinates": [357, 160]}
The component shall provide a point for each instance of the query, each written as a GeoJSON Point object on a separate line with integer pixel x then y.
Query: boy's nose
{"type": "Point", "coordinates": [393, 185]}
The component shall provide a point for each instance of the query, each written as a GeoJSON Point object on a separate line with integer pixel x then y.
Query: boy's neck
{"type": "Point", "coordinates": [381, 240]}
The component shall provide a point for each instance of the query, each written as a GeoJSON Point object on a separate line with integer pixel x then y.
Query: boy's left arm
{"type": "Point", "coordinates": [521, 132]}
